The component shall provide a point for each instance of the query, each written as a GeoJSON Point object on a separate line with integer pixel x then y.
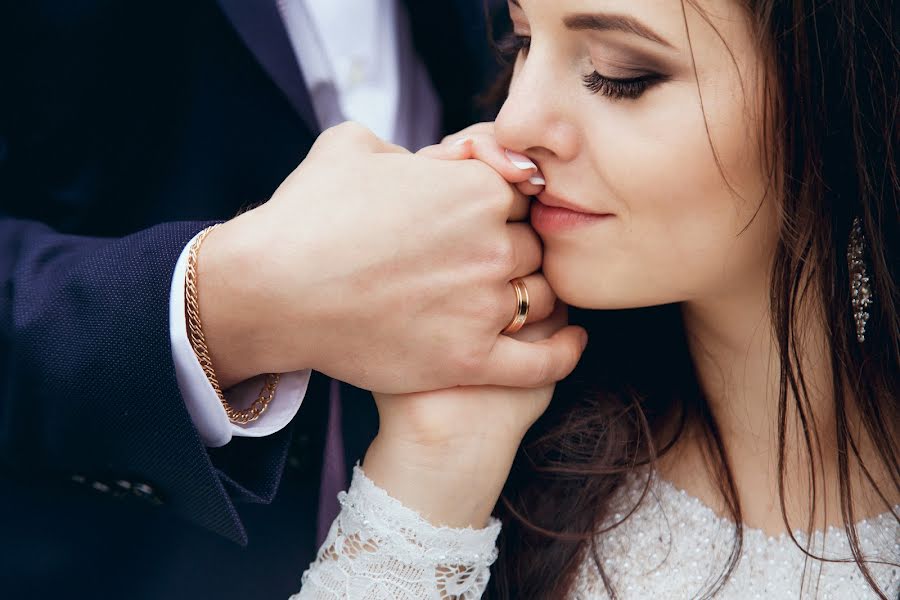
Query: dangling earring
{"type": "Point", "coordinates": [860, 292]}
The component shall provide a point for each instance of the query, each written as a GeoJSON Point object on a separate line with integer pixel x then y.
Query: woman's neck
{"type": "Point", "coordinates": [736, 357]}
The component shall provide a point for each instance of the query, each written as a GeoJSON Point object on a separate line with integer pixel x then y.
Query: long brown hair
{"type": "Point", "coordinates": [833, 109]}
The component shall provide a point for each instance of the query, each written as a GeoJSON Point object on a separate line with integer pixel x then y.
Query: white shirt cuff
{"type": "Point", "coordinates": [202, 403]}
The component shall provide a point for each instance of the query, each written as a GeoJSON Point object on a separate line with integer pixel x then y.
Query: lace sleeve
{"type": "Point", "coordinates": [378, 548]}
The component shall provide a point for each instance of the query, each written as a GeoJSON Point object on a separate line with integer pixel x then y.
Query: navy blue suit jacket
{"type": "Point", "coordinates": [125, 128]}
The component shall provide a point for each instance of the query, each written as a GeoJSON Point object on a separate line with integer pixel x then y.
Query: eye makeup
{"type": "Point", "coordinates": [620, 74]}
{"type": "Point", "coordinates": [629, 86]}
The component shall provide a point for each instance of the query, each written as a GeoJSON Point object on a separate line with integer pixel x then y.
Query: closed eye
{"type": "Point", "coordinates": [618, 89]}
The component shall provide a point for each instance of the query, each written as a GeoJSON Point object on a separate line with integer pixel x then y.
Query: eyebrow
{"type": "Point", "coordinates": [607, 22]}
{"type": "Point", "coordinates": [603, 22]}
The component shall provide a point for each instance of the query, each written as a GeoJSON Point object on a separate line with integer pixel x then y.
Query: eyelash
{"type": "Point", "coordinates": [615, 89]}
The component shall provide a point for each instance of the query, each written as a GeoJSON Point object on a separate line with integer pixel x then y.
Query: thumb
{"type": "Point", "coordinates": [514, 363]}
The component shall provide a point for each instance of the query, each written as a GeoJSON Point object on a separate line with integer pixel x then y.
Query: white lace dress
{"type": "Point", "coordinates": [673, 546]}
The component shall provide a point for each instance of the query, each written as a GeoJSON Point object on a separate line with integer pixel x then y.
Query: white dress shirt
{"type": "Point", "coordinates": [359, 63]}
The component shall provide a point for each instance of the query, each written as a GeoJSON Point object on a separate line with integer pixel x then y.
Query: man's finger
{"type": "Point", "coordinates": [541, 300]}
{"type": "Point", "coordinates": [537, 330]}
{"type": "Point", "coordinates": [520, 207]}
{"type": "Point", "coordinates": [513, 363]}
{"type": "Point", "coordinates": [529, 188]}
{"type": "Point", "coordinates": [527, 248]}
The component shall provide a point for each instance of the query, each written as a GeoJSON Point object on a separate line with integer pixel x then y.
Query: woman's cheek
{"type": "Point", "coordinates": [676, 223]}
{"type": "Point", "coordinates": [653, 164]}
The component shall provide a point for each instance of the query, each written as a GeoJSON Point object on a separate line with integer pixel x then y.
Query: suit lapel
{"type": "Point", "coordinates": [259, 25]}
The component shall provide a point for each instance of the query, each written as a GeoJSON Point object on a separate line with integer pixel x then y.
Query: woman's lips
{"type": "Point", "coordinates": [548, 215]}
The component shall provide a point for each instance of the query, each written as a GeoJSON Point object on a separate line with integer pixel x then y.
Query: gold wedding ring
{"type": "Point", "coordinates": [522, 305]}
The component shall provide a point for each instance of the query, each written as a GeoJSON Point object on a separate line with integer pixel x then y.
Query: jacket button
{"type": "Point", "coordinates": [121, 488]}
{"type": "Point", "coordinates": [142, 490]}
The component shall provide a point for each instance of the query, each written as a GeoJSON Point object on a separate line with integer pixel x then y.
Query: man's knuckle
{"type": "Point", "coordinates": [353, 131]}
{"type": "Point", "coordinates": [332, 132]}
{"type": "Point", "coordinates": [349, 127]}
{"type": "Point", "coordinates": [501, 257]}
{"type": "Point", "coordinates": [483, 305]}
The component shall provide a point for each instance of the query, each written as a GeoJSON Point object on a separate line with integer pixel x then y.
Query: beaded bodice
{"type": "Point", "coordinates": [671, 546]}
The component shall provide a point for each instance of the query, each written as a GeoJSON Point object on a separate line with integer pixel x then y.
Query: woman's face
{"type": "Point", "coordinates": [669, 163]}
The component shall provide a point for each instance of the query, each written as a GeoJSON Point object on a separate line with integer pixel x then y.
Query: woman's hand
{"type": "Point", "coordinates": [478, 142]}
{"type": "Point", "coordinates": [447, 453]}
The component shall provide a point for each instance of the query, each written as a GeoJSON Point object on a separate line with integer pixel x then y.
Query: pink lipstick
{"type": "Point", "coordinates": [552, 214]}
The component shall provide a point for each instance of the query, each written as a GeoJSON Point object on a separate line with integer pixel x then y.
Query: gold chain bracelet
{"type": "Point", "coordinates": [198, 342]}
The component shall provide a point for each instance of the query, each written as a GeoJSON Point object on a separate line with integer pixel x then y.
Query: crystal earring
{"type": "Point", "coordinates": [860, 291]}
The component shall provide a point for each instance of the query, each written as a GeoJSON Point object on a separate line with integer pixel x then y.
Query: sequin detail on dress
{"type": "Point", "coordinates": [672, 547]}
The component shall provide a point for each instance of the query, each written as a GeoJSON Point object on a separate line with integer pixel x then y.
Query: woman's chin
{"type": "Point", "coordinates": [579, 287]}
{"type": "Point", "coordinates": [574, 289]}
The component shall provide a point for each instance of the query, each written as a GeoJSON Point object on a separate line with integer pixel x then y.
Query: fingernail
{"type": "Point", "coordinates": [461, 141]}
{"type": "Point", "coordinates": [536, 180]}
{"type": "Point", "coordinates": [520, 160]}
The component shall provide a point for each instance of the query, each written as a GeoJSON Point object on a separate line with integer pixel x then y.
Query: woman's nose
{"type": "Point", "coordinates": [534, 119]}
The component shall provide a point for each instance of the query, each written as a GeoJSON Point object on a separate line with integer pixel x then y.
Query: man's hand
{"type": "Point", "coordinates": [381, 268]}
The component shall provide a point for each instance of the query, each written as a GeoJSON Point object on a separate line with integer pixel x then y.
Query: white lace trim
{"type": "Point", "coordinates": [378, 548]}
{"type": "Point", "coordinates": [670, 547]}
